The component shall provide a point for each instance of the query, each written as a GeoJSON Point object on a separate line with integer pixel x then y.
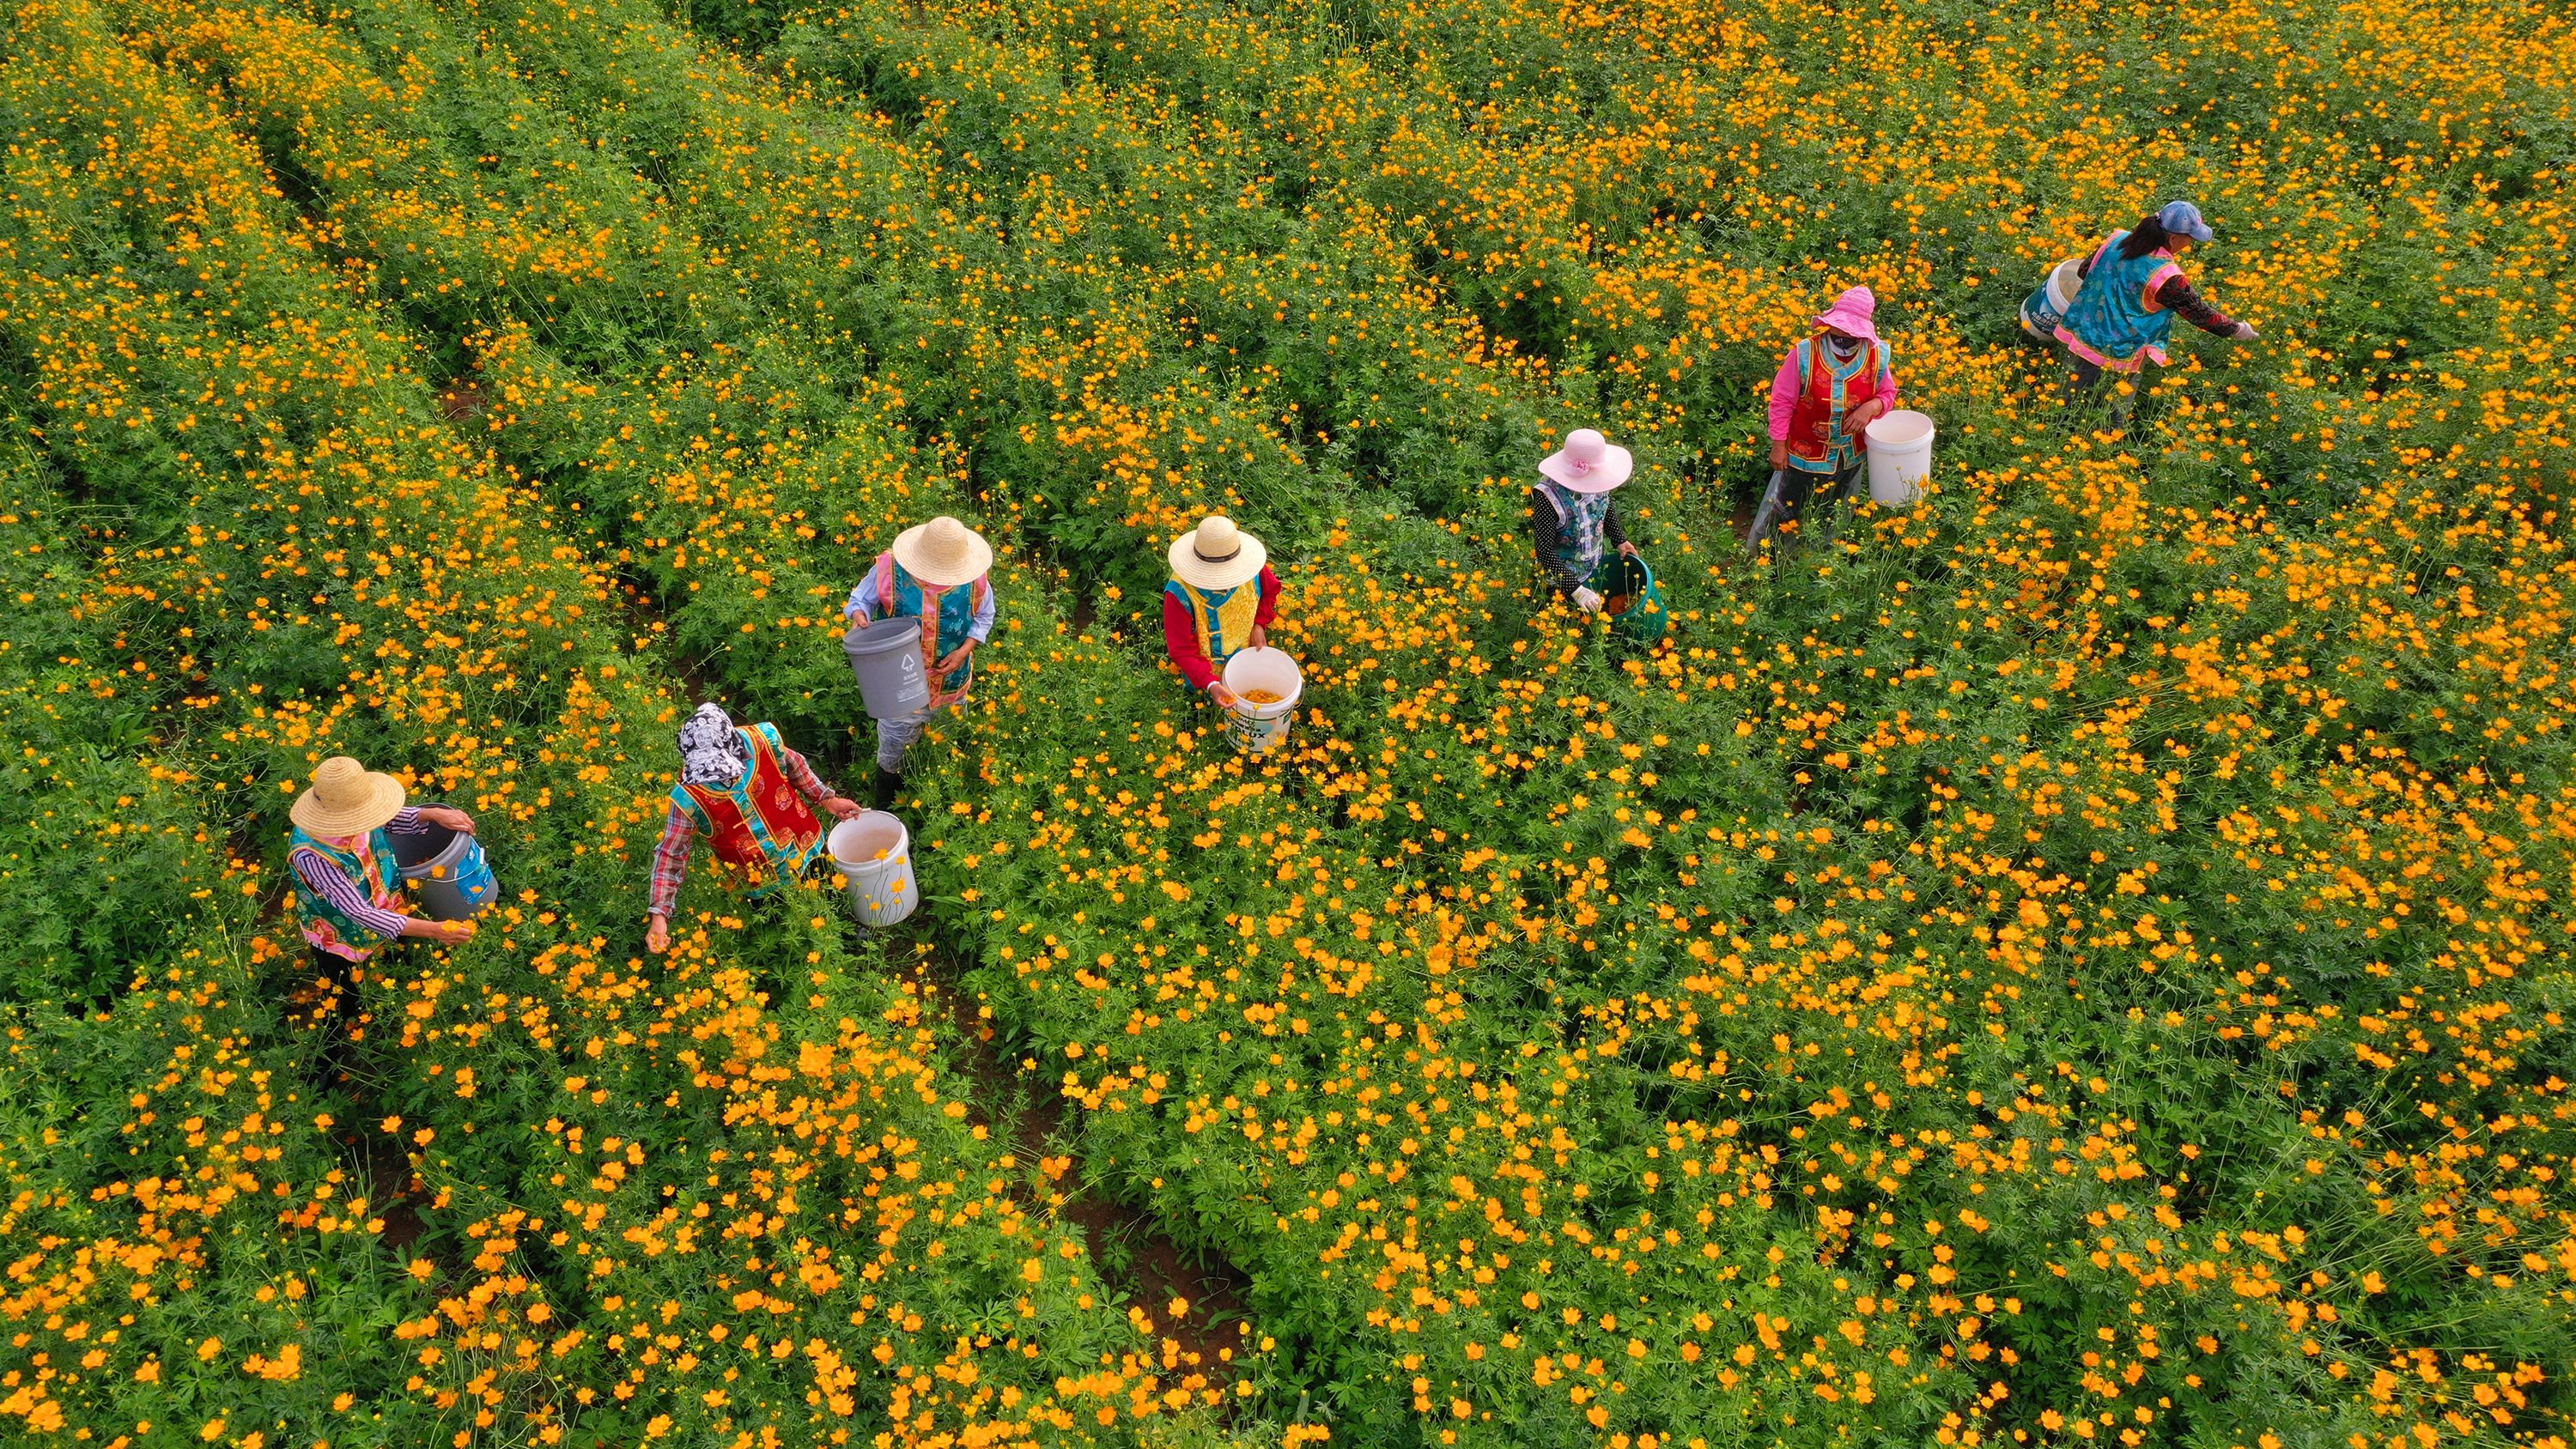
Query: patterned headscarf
{"type": "Point", "coordinates": [712, 752]}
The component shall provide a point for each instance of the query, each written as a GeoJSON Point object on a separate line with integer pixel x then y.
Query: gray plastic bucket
{"type": "Point", "coordinates": [886, 656]}
{"type": "Point", "coordinates": [455, 879]}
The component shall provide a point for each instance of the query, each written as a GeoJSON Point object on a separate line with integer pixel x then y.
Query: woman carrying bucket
{"type": "Point", "coordinates": [1826, 392]}
{"type": "Point", "coordinates": [937, 573]}
{"type": "Point", "coordinates": [2133, 288]}
{"type": "Point", "coordinates": [1582, 548]}
{"type": "Point", "coordinates": [348, 892]}
{"type": "Point", "coordinates": [1222, 598]}
{"type": "Point", "coordinates": [749, 795]}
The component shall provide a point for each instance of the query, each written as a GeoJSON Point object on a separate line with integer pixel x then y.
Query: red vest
{"type": "Point", "coordinates": [762, 824]}
{"type": "Point", "coordinates": [1816, 397]}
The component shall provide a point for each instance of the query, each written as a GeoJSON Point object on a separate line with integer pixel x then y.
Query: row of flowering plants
{"type": "Point", "coordinates": [556, 1191]}
{"type": "Point", "coordinates": [1870, 859]}
{"type": "Point", "coordinates": [2074, 961]}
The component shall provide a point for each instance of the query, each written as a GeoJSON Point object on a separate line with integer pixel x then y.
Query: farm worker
{"type": "Point", "coordinates": [1826, 392]}
{"type": "Point", "coordinates": [1573, 522]}
{"type": "Point", "coordinates": [348, 890]}
{"type": "Point", "coordinates": [1222, 597]}
{"type": "Point", "coordinates": [936, 572]}
{"type": "Point", "coordinates": [2133, 289]}
{"type": "Point", "coordinates": [748, 794]}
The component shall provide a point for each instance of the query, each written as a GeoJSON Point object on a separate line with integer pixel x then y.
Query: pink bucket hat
{"type": "Point", "coordinates": [1851, 313]}
{"type": "Point", "coordinates": [1587, 463]}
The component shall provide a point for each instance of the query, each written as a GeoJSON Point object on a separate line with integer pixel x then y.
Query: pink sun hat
{"type": "Point", "coordinates": [1587, 463]}
{"type": "Point", "coordinates": [1851, 313]}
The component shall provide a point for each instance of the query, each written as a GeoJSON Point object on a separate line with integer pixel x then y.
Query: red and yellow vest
{"type": "Point", "coordinates": [1223, 621]}
{"type": "Point", "coordinates": [1826, 398]}
{"type": "Point", "coordinates": [762, 828]}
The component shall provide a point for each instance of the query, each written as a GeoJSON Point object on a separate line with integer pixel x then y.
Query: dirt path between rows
{"type": "Point", "coordinates": [1157, 1271]}
{"type": "Point", "coordinates": [1129, 1249]}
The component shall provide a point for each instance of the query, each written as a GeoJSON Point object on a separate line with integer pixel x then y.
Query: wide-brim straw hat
{"type": "Point", "coordinates": [1217, 555]}
{"type": "Point", "coordinates": [1587, 463]}
{"type": "Point", "coordinates": [346, 798]}
{"type": "Point", "coordinates": [943, 552]}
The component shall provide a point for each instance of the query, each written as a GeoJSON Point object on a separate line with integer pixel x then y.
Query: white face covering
{"type": "Point", "coordinates": [1841, 347]}
{"type": "Point", "coordinates": [712, 752]}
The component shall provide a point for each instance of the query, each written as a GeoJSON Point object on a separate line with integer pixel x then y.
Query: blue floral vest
{"type": "Point", "coordinates": [2115, 320]}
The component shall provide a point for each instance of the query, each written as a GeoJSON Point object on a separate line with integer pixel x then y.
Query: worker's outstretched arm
{"type": "Point", "coordinates": [1784, 404]}
{"type": "Point", "coordinates": [671, 861]}
{"type": "Point", "coordinates": [2180, 297]}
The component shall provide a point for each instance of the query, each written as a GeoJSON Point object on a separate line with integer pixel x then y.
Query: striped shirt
{"type": "Point", "coordinates": [680, 834]}
{"type": "Point", "coordinates": [320, 876]}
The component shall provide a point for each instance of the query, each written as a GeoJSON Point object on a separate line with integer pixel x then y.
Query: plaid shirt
{"type": "Point", "coordinates": [680, 834]}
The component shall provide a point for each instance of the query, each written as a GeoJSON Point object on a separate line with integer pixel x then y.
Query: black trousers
{"type": "Point", "coordinates": [2084, 383]}
{"type": "Point", "coordinates": [1807, 499]}
{"type": "Point", "coordinates": [334, 1012]}
{"type": "Point", "coordinates": [336, 975]}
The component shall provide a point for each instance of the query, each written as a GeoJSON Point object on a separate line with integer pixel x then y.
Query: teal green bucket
{"type": "Point", "coordinates": [1632, 599]}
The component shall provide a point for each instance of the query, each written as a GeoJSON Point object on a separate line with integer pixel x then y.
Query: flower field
{"type": "Point", "coordinates": [2082, 960]}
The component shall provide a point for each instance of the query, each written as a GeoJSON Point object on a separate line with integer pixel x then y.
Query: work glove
{"type": "Point", "coordinates": [2245, 332]}
{"type": "Point", "coordinates": [1588, 601]}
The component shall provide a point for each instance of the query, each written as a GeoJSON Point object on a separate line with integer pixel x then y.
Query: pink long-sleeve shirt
{"type": "Point", "coordinates": [1784, 388]}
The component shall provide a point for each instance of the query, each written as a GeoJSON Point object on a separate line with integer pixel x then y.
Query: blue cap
{"type": "Point", "coordinates": [2183, 219]}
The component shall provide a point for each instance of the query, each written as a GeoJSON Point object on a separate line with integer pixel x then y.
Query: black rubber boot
{"type": "Point", "coordinates": [888, 783]}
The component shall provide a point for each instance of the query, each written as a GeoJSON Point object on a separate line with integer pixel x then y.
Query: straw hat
{"type": "Point", "coordinates": [1587, 463]}
{"type": "Point", "coordinates": [1217, 555]}
{"type": "Point", "coordinates": [943, 552]}
{"type": "Point", "coordinates": [346, 798]}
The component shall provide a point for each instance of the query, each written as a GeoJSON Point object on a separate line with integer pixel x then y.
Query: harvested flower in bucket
{"type": "Point", "coordinates": [1261, 696]}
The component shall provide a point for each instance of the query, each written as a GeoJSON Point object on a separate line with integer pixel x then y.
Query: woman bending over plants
{"type": "Point", "coordinates": [752, 797]}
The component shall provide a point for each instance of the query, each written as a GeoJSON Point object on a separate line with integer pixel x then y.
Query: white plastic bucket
{"type": "Point", "coordinates": [1900, 457]}
{"type": "Point", "coordinates": [1257, 729]}
{"type": "Point", "coordinates": [2047, 307]}
{"type": "Point", "coordinates": [874, 851]}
